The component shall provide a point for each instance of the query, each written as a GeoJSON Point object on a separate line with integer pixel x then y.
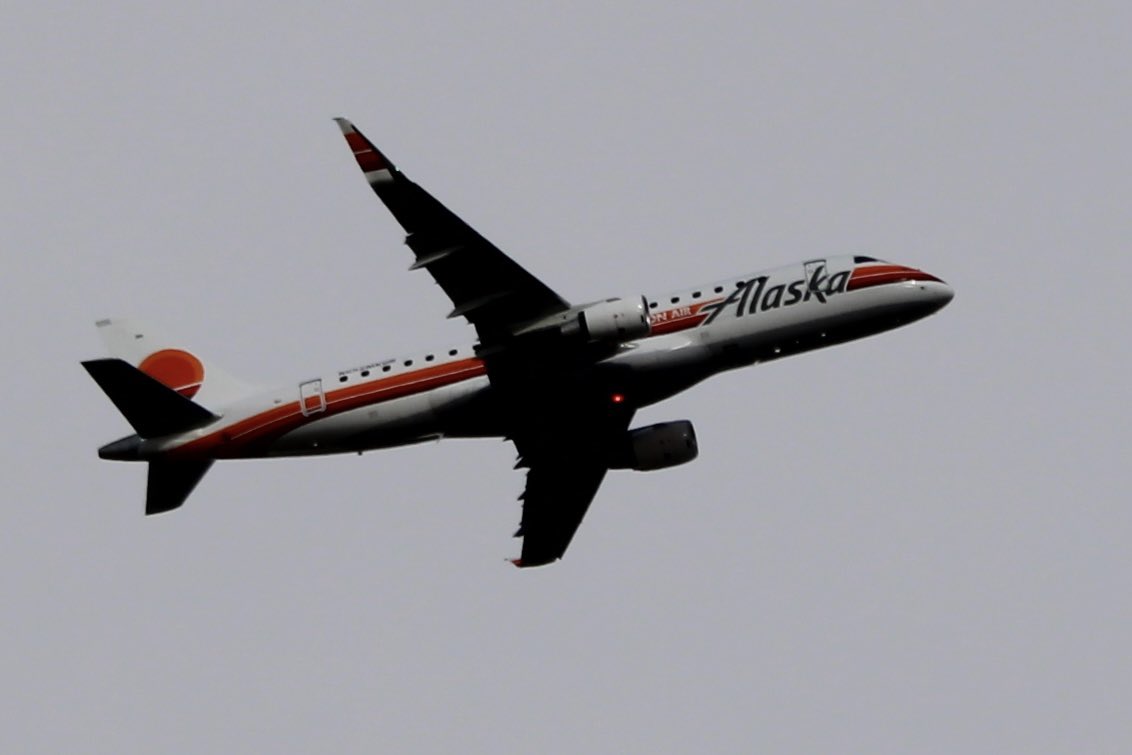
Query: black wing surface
{"type": "Point", "coordinates": [486, 286]}
{"type": "Point", "coordinates": [567, 439]}
{"type": "Point", "coordinates": [555, 500]}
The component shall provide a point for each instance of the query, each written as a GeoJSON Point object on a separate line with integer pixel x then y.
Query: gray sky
{"type": "Point", "coordinates": [913, 543]}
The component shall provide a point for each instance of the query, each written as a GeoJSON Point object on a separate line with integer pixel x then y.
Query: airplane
{"type": "Point", "coordinates": [561, 381]}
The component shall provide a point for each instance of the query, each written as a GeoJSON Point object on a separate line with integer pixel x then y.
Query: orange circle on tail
{"type": "Point", "coordinates": [176, 369]}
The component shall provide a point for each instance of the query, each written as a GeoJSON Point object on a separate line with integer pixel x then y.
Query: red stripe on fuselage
{"type": "Point", "coordinates": [665, 321]}
{"type": "Point", "coordinates": [266, 426]}
{"type": "Point", "coordinates": [879, 275]}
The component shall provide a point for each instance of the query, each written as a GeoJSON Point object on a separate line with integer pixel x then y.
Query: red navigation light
{"type": "Point", "coordinates": [617, 398]}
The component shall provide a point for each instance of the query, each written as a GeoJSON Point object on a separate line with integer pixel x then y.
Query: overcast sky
{"type": "Point", "coordinates": [914, 543]}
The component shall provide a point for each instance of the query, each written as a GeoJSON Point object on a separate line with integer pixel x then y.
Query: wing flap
{"type": "Point", "coordinates": [424, 260]}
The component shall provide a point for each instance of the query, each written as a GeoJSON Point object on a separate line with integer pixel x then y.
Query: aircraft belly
{"type": "Point", "coordinates": [764, 336]}
{"type": "Point", "coordinates": [665, 365]}
{"type": "Point", "coordinates": [662, 366]}
{"type": "Point", "coordinates": [399, 421]}
{"type": "Point", "coordinates": [469, 410]}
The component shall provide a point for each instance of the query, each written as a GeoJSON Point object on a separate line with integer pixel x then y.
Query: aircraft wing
{"type": "Point", "coordinates": [567, 443]}
{"type": "Point", "coordinates": [486, 286]}
{"type": "Point", "coordinates": [555, 500]}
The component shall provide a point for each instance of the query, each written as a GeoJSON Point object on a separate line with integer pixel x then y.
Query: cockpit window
{"type": "Point", "coordinates": [859, 260]}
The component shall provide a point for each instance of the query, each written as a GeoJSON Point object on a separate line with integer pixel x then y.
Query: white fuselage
{"type": "Point", "coordinates": [696, 333]}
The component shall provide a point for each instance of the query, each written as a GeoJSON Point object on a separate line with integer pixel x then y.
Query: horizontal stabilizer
{"type": "Point", "coordinates": [151, 408]}
{"type": "Point", "coordinates": [170, 483]}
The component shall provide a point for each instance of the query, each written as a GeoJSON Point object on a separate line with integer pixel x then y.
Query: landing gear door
{"type": "Point", "coordinates": [311, 398]}
{"type": "Point", "coordinates": [814, 269]}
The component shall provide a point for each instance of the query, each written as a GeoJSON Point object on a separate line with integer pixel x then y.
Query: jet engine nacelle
{"type": "Point", "coordinates": [666, 444]}
{"type": "Point", "coordinates": [613, 320]}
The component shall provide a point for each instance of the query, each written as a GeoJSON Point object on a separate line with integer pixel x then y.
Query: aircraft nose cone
{"type": "Point", "coordinates": [944, 294]}
{"type": "Point", "coordinates": [936, 294]}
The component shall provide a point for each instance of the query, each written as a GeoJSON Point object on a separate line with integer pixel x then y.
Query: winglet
{"type": "Point", "coordinates": [373, 163]}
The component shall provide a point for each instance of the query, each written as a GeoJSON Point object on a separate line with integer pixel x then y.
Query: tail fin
{"type": "Point", "coordinates": [179, 369]}
{"type": "Point", "coordinates": [170, 483]}
{"type": "Point", "coordinates": [151, 408]}
{"type": "Point", "coordinates": [154, 410]}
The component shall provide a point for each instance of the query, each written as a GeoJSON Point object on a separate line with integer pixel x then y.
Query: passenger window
{"type": "Point", "coordinates": [341, 378]}
{"type": "Point", "coordinates": [675, 299]}
{"type": "Point", "coordinates": [452, 352]}
{"type": "Point", "coordinates": [719, 289]}
{"type": "Point", "coordinates": [695, 294]}
{"type": "Point", "coordinates": [365, 373]}
{"type": "Point", "coordinates": [428, 358]}
{"type": "Point", "coordinates": [408, 362]}
{"type": "Point", "coordinates": [386, 368]}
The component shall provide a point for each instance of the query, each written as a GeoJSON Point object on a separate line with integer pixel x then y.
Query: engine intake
{"type": "Point", "coordinates": [659, 446]}
{"type": "Point", "coordinates": [616, 320]}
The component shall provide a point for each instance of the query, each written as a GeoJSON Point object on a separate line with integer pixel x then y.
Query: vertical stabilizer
{"type": "Point", "coordinates": [176, 367]}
